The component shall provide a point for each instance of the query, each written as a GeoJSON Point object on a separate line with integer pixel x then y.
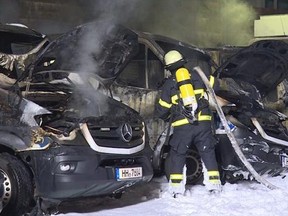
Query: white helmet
{"type": "Point", "coordinates": [173, 59]}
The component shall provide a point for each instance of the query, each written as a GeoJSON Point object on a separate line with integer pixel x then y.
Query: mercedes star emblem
{"type": "Point", "coordinates": [126, 132]}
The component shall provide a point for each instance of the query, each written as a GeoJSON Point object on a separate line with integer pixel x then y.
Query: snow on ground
{"type": "Point", "coordinates": [152, 199]}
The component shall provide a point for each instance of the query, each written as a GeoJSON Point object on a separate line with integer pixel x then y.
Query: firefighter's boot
{"type": "Point", "coordinates": [212, 181]}
{"type": "Point", "coordinates": [176, 185]}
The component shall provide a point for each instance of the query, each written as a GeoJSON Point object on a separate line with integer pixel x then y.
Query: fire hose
{"type": "Point", "coordinates": [229, 133]}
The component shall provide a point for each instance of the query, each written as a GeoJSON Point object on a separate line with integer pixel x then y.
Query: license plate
{"type": "Point", "coordinates": [284, 160]}
{"type": "Point", "coordinates": [128, 173]}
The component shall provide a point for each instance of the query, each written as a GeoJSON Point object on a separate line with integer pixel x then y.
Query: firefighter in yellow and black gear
{"type": "Point", "coordinates": [182, 99]}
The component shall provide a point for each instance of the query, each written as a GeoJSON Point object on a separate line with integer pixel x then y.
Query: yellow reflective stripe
{"type": "Point", "coordinates": [199, 91]}
{"type": "Point", "coordinates": [214, 177]}
{"type": "Point", "coordinates": [211, 81]}
{"type": "Point", "coordinates": [185, 120]}
{"type": "Point", "coordinates": [175, 179]}
{"type": "Point", "coordinates": [180, 122]}
{"type": "Point", "coordinates": [213, 173]}
{"type": "Point", "coordinates": [204, 118]}
{"type": "Point", "coordinates": [174, 98]}
{"type": "Point", "coordinates": [176, 176]}
{"type": "Point", "coordinates": [164, 104]}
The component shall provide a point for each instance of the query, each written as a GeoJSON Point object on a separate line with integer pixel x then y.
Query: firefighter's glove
{"type": "Point", "coordinates": [189, 113]}
{"type": "Point", "coordinates": [202, 104]}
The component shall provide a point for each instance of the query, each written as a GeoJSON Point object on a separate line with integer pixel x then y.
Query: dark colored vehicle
{"type": "Point", "coordinates": [247, 78]}
{"type": "Point", "coordinates": [61, 137]}
{"type": "Point", "coordinates": [251, 76]}
{"type": "Point", "coordinates": [138, 86]}
{"type": "Point", "coordinates": [139, 82]}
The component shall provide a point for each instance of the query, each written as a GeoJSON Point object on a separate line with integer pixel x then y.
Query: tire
{"type": "Point", "coordinates": [194, 173]}
{"type": "Point", "coordinates": [194, 166]}
{"type": "Point", "coordinates": [18, 189]}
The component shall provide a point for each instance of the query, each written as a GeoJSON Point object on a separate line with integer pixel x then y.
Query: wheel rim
{"type": "Point", "coordinates": [7, 189]}
{"type": "Point", "coordinates": [194, 167]}
{"type": "Point", "coordinates": [193, 162]}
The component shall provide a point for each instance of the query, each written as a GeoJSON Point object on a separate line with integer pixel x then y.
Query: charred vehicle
{"type": "Point", "coordinates": [61, 137]}
{"type": "Point", "coordinates": [138, 86]}
{"type": "Point", "coordinates": [139, 82]}
{"type": "Point", "coordinates": [249, 76]}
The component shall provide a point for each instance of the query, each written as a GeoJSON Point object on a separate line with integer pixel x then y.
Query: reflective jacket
{"type": "Point", "coordinates": [168, 105]}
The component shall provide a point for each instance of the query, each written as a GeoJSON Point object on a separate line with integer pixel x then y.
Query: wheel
{"type": "Point", "coordinates": [18, 191]}
{"type": "Point", "coordinates": [194, 166]}
{"type": "Point", "coordinates": [194, 174]}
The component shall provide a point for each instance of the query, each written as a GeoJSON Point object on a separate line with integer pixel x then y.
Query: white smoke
{"type": "Point", "coordinates": [204, 23]}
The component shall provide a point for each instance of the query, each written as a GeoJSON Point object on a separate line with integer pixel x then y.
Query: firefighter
{"type": "Point", "coordinates": [182, 101]}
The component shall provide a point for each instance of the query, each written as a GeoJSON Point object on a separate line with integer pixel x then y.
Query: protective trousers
{"type": "Point", "coordinates": [199, 134]}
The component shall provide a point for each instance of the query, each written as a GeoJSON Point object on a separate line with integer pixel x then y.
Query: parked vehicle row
{"type": "Point", "coordinates": [77, 113]}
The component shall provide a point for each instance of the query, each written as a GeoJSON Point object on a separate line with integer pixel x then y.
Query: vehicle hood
{"type": "Point", "coordinates": [99, 48]}
{"type": "Point", "coordinates": [86, 103]}
{"type": "Point", "coordinates": [77, 101]}
{"type": "Point", "coordinates": [264, 64]}
{"type": "Point", "coordinates": [11, 33]}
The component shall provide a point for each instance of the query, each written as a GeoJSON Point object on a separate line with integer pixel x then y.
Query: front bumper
{"type": "Point", "coordinates": [64, 172]}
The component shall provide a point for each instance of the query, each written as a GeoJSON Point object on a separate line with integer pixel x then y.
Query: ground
{"type": "Point", "coordinates": [246, 198]}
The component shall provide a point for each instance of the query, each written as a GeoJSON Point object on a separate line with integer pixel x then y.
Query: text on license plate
{"type": "Point", "coordinates": [128, 173]}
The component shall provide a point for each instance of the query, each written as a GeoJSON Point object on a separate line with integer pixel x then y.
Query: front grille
{"type": "Point", "coordinates": [111, 136]}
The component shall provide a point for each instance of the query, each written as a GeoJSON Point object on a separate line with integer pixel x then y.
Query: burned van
{"type": "Point", "coordinates": [247, 75]}
{"type": "Point", "coordinates": [61, 137]}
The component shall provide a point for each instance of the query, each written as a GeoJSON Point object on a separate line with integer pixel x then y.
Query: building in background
{"type": "Point", "coordinates": [267, 7]}
{"type": "Point", "coordinates": [46, 16]}
{"type": "Point", "coordinates": [203, 23]}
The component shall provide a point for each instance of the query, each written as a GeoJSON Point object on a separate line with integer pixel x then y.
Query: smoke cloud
{"type": "Point", "coordinates": [230, 24]}
{"type": "Point", "coordinates": [203, 23]}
